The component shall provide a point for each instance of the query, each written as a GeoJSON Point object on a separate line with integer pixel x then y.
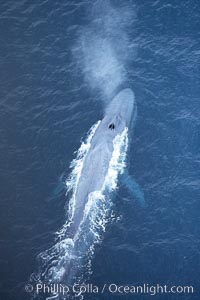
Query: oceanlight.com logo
{"type": "Point", "coordinates": [150, 289]}
{"type": "Point", "coordinates": [82, 289]}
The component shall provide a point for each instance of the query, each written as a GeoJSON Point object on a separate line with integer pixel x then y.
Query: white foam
{"type": "Point", "coordinates": [73, 179]}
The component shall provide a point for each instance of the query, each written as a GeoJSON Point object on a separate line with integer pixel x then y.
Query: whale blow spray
{"type": "Point", "coordinates": [104, 49]}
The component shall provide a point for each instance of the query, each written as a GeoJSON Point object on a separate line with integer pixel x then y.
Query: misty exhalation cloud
{"type": "Point", "coordinates": [103, 48]}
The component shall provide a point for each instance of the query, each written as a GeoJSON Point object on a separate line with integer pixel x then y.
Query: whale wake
{"type": "Point", "coordinates": [78, 252]}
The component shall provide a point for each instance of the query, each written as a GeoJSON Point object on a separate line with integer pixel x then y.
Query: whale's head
{"type": "Point", "coordinates": [121, 110]}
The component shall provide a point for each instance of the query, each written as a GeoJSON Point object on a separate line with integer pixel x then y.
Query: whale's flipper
{"type": "Point", "coordinates": [60, 187]}
{"type": "Point", "coordinates": [133, 188]}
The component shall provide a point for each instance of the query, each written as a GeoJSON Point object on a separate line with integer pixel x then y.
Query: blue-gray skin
{"type": "Point", "coordinates": [118, 115]}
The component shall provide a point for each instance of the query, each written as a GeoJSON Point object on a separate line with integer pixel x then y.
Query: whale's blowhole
{"type": "Point", "coordinates": [111, 126]}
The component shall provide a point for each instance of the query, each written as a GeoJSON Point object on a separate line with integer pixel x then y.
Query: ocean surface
{"type": "Point", "coordinates": [50, 96]}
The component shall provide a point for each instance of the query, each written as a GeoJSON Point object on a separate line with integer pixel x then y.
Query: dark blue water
{"type": "Point", "coordinates": [46, 108]}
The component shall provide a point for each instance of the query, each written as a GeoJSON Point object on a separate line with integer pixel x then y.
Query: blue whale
{"type": "Point", "coordinates": [119, 115]}
{"type": "Point", "coordinates": [67, 258]}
